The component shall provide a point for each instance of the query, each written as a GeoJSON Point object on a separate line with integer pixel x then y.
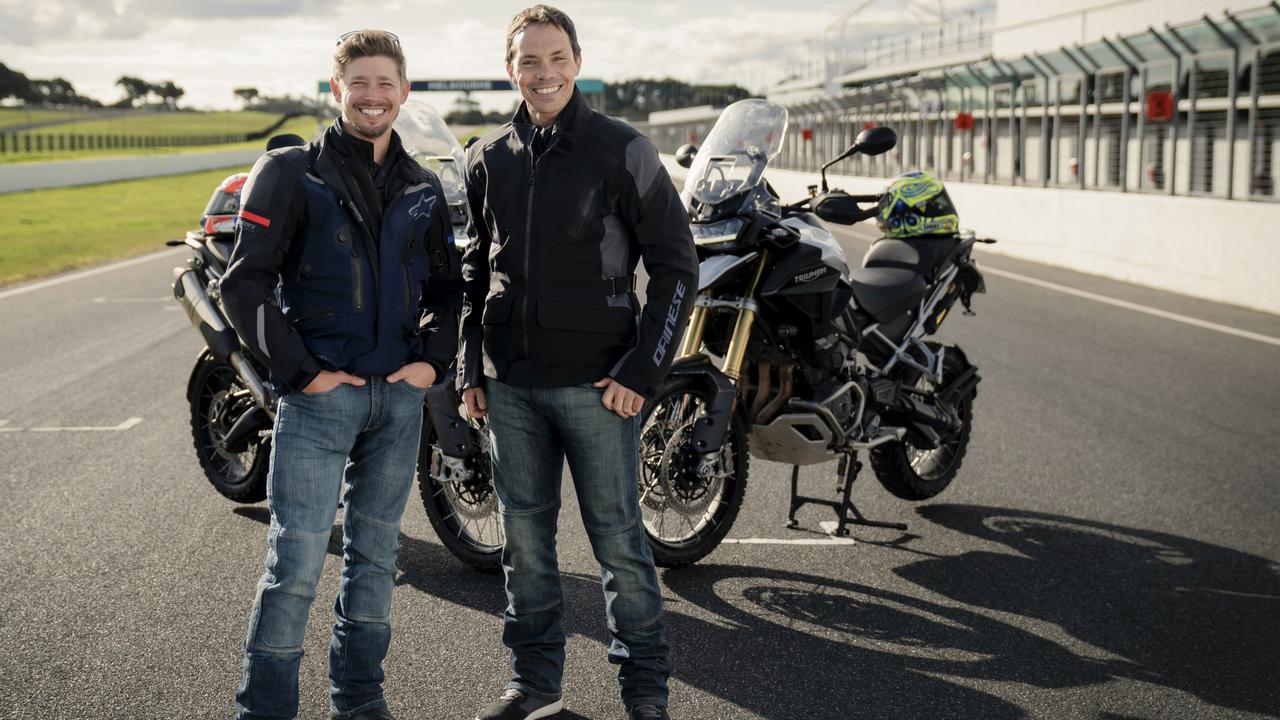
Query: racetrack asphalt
{"type": "Point", "coordinates": [1109, 550]}
{"type": "Point", "coordinates": [91, 171]}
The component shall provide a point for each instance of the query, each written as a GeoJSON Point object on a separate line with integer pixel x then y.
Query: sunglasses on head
{"type": "Point", "coordinates": [394, 38]}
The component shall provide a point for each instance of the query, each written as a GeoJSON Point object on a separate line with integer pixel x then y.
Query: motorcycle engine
{"type": "Point", "coordinates": [837, 399]}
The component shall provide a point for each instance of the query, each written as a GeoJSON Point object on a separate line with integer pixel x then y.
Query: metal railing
{"type": "Point", "coordinates": [1184, 111]}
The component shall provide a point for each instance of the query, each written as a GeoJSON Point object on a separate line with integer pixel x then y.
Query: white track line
{"type": "Point", "coordinates": [90, 272]}
{"type": "Point", "coordinates": [91, 428]}
{"type": "Point", "coordinates": [131, 301]}
{"type": "Point", "coordinates": [828, 526]}
{"type": "Point", "coordinates": [1186, 320]}
{"type": "Point", "coordinates": [784, 541]}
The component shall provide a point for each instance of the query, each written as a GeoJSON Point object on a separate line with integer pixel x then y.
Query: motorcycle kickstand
{"type": "Point", "coordinates": [847, 512]}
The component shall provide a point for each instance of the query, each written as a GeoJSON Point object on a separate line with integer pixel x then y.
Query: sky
{"type": "Point", "coordinates": [283, 47]}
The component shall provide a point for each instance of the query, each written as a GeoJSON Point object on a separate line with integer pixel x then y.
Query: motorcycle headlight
{"type": "Point", "coordinates": [717, 234]}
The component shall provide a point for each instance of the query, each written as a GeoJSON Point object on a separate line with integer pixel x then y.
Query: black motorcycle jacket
{"type": "Point", "coordinates": [560, 217]}
{"type": "Point", "coordinates": [363, 257]}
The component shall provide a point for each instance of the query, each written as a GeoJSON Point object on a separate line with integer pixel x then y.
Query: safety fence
{"type": "Point", "coordinates": [37, 141]}
{"type": "Point", "coordinates": [1187, 110]}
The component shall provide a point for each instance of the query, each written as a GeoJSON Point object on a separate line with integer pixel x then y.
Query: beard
{"type": "Point", "coordinates": [370, 128]}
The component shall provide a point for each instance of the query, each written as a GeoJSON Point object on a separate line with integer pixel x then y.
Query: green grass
{"type": "Point", "coordinates": [167, 123]}
{"type": "Point", "coordinates": [21, 116]}
{"type": "Point", "coordinates": [474, 132]}
{"type": "Point", "coordinates": [48, 231]}
{"type": "Point", "coordinates": [304, 126]}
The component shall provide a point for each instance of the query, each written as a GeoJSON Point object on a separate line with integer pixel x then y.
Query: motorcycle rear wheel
{"type": "Point", "coordinates": [916, 473]}
{"type": "Point", "coordinates": [213, 393]}
{"type": "Point", "coordinates": [686, 517]}
{"type": "Point", "coordinates": [464, 513]}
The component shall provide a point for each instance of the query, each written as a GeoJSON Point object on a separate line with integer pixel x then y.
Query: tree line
{"type": "Point", "coordinates": [60, 91]}
{"type": "Point", "coordinates": [630, 99]}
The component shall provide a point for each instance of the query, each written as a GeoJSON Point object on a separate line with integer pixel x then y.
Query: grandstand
{"type": "Point", "coordinates": [1174, 106]}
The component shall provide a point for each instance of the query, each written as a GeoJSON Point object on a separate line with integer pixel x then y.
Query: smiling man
{"type": "Point", "coordinates": [560, 356]}
{"type": "Point", "coordinates": [357, 237]}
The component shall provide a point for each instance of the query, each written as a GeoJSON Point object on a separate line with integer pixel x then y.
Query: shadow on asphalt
{"type": "Point", "coordinates": [1143, 605]}
{"type": "Point", "coordinates": [1168, 610]}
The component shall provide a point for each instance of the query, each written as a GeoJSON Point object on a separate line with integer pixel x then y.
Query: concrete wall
{"type": "Point", "coordinates": [1220, 250]}
{"type": "Point", "coordinates": [1023, 26]}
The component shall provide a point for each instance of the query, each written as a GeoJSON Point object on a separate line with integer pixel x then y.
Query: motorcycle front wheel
{"type": "Point", "coordinates": [685, 515]}
{"type": "Point", "coordinates": [462, 508]}
{"type": "Point", "coordinates": [218, 398]}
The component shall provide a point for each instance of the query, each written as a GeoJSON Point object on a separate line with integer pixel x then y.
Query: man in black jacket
{"type": "Point", "coordinates": [558, 353]}
{"type": "Point", "coordinates": [357, 238]}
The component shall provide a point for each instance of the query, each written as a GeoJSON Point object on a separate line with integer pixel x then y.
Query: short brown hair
{"type": "Point", "coordinates": [367, 43]}
{"type": "Point", "coordinates": [541, 15]}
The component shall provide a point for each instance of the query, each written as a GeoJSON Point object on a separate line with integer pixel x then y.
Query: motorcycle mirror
{"type": "Point", "coordinates": [285, 140]}
{"type": "Point", "coordinates": [875, 141]}
{"type": "Point", "coordinates": [685, 153]}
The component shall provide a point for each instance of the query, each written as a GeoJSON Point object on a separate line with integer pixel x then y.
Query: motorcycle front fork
{"type": "Point", "coordinates": [691, 343]}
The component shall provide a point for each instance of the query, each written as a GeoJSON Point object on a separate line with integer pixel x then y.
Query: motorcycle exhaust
{"type": "Point", "coordinates": [931, 415]}
{"type": "Point", "coordinates": [221, 340]}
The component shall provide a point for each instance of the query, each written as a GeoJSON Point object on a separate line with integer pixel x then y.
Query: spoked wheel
{"type": "Point", "coordinates": [686, 515]}
{"type": "Point", "coordinates": [913, 472]}
{"type": "Point", "coordinates": [460, 501]}
{"type": "Point", "coordinates": [218, 398]}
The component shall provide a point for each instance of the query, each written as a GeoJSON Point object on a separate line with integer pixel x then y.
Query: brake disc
{"type": "Point", "coordinates": [682, 488]}
{"type": "Point", "coordinates": [469, 493]}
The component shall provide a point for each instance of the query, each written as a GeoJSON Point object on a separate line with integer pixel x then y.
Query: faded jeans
{"type": "Point", "coordinates": [534, 430]}
{"type": "Point", "coordinates": [361, 442]}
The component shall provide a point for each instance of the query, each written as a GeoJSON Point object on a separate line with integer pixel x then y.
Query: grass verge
{"type": "Point", "coordinates": [304, 126]}
{"type": "Point", "coordinates": [49, 231]}
{"type": "Point", "coordinates": [24, 116]}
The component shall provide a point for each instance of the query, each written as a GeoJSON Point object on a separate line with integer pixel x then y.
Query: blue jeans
{"type": "Point", "coordinates": [361, 442]}
{"type": "Point", "coordinates": [533, 431]}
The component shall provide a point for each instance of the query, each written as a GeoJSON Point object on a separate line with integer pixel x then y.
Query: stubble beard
{"type": "Point", "coordinates": [366, 131]}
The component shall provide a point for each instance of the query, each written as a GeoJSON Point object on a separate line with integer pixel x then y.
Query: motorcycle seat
{"type": "Point", "coordinates": [887, 292]}
{"type": "Point", "coordinates": [921, 255]}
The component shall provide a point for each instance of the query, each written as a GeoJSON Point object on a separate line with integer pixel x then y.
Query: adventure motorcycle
{"type": "Point", "coordinates": [818, 361]}
{"type": "Point", "coordinates": [233, 406]}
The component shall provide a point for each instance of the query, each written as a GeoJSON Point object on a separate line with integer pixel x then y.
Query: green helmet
{"type": "Point", "coordinates": [916, 204]}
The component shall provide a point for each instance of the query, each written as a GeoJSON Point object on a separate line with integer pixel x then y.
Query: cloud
{"type": "Point", "coordinates": [283, 46]}
{"type": "Point", "coordinates": [54, 20]}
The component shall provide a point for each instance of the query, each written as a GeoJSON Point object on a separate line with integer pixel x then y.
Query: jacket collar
{"type": "Point", "coordinates": [571, 120]}
{"type": "Point", "coordinates": [337, 139]}
{"type": "Point", "coordinates": [334, 142]}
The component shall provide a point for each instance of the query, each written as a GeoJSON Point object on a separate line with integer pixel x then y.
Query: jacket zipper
{"type": "Point", "coordinates": [357, 275]}
{"type": "Point", "coordinates": [408, 280]}
{"type": "Point", "coordinates": [528, 251]}
{"type": "Point", "coordinates": [357, 272]}
{"type": "Point", "coordinates": [528, 239]}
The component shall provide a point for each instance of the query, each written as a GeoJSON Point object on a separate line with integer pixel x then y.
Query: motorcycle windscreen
{"type": "Point", "coordinates": [745, 138]}
{"type": "Point", "coordinates": [428, 139]}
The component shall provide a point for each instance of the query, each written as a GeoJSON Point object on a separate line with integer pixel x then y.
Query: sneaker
{"type": "Point", "coordinates": [378, 713]}
{"type": "Point", "coordinates": [515, 705]}
{"type": "Point", "coordinates": [649, 712]}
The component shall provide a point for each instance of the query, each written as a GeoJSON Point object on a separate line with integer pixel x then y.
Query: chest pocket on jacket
{"type": "Point", "coordinates": [331, 268]}
{"type": "Point", "coordinates": [596, 203]}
